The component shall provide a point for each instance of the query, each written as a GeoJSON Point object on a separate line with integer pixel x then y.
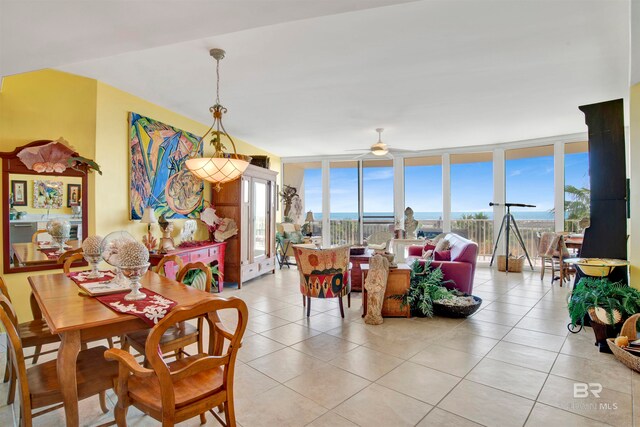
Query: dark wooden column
{"type": "Point", "coordinates": [607, 235]}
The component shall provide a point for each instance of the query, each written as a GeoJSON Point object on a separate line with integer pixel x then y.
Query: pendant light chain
{"type": "Point", "coordinates": [218, 81]}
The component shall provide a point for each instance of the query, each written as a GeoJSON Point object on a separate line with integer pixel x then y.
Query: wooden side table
{"type": "Point", "coordinates": [356, 273]}
{"type": "Point", "coordinates": [398, 282]}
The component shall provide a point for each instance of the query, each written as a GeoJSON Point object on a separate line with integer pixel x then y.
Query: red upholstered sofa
{"type": "Point", "coordinates": [462, 266]}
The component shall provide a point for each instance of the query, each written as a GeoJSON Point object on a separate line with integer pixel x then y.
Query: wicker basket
{"type": "Point", "coordinates": [628, 330]}
{"type": "Point", "coordinates": [515, 264]}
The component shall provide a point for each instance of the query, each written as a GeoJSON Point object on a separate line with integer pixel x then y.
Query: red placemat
{"type": "Point", "coordinates": [50, 253]}
{"type": "Point", "coordinates": [151, 309]}
{"type": "Point", "coordinates": [81, 276]}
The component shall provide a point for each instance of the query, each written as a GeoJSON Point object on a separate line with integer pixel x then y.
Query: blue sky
{"type": "Point", "coordinates": [529, 181]}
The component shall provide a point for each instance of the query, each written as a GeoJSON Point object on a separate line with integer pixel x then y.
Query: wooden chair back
{"type": "Point", "coordinates": [69, 257]}
{"type": "Point", "coordinates": [4, 290]}
{"type": "Point", "coordinates": [14, 347]}
{"type": "Point", "coordinates": [213, 358]}
{"type": "Point", "coordinates": [34, 237]}
{"type": "Point", "coordinates": [169, 258]}
{"type": "Point", "coordinates": [206, 286]}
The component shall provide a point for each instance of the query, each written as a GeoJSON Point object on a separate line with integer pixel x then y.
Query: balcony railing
{"type": "Point", "coordinates": [480, 231]}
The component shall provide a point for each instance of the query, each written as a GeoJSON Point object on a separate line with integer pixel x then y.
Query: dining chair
{"type": "Point", "coordinates": [324, 273]}
{"type": "Point", "coordinates": [160, 268]}
{"type": "Point", "coordinates": [552, 250]}
{"type": "Point", "coordinates": [68, 258]}
{"type": "Point", "coordinates": [38, 386]}
{"type": "Point", "coordinates": [34, 237]}
{"type": "Point", "coordinates": [34, 333]}
{"type": "Point", "coordinates": [182, 334]}
{"type": "Point", "coordinates": [185, 388]}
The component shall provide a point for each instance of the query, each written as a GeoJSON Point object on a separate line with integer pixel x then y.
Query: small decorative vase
{"type": "Point", "coordinates": [93, 260]}
{"type": "Point", "coordinates": [134, 273]}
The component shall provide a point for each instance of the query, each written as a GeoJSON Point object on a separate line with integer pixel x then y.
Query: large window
{"type": "Point", "coordinates": [377, 198]}
{"type": "Point", "coordinates": [577, 194]}
{"type": "Point", "coordinates": [343, 190]}
{"type": "Point", "coordinates": [306, 178]}
{"type": "Point", "coordinates": [471, 192]}
{"type": "Point", "coordinates": [360, 208]}
{"type": "Point", "coordinates": [530, 180]}
{"type": "Point", "coordinates": [423, 192]}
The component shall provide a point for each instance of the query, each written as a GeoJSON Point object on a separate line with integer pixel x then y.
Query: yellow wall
{"type": "Point", "coordinates": [634, 161]}
{"type": "Point", "coordinates": [93, 117]}
{"type": "Point", "coordinates": [46, 105]}
{"type": "Point", "coordinates": [40, 211]}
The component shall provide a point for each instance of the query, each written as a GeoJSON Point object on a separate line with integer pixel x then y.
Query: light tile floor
{"type": "Point", "coordinates": [511, 364]}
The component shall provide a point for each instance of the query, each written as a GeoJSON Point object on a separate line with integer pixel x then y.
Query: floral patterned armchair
{"type": "Point", "coordinates": [324, 273]}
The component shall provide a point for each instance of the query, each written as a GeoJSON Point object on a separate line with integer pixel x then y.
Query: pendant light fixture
{"type": "Point", "coordinates": [221, 167]}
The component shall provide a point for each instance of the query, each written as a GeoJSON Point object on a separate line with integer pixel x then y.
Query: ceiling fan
{"type": "Point", "coordinates": [380, 149]}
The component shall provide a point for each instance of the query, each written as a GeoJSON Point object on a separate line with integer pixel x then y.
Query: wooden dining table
{"type": "Point", "coordinates": [77, 318]}
{"type": "Point", "coordinates": [31, 253]}
{"type": "Point", "coordinates": [574, 242]}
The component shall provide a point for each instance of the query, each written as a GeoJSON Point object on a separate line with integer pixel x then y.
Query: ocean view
{"type": "Point", "coordinates": [529, 214]}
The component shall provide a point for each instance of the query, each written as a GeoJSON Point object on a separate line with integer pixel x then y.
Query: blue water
{"type": "Point", "coordinates": [525, 214]}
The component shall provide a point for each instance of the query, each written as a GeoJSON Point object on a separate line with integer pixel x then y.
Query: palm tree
{"type": "Point", "coordinates": [577, 202]}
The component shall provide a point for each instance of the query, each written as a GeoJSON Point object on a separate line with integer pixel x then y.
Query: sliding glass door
{"type": "Point", "coordinates": [423, 193]}
{"type": "Point", "coordinates": [471, 192]}
{"type": "Point", "coordinates": [344, 193]}
{"type": "Point", "coordinates": [577, 193]}
{"type": "Point", "coordinates": [377, 196]}
{"type": "Point", "coordinates": [529, 180]}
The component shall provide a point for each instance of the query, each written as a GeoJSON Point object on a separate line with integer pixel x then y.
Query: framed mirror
{"type": "Point", "coordinates": [39, 185]}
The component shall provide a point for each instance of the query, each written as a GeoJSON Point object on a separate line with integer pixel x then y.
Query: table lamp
{"type": "Point", "coordinates": [149, 217]}
{"type": "Point", "coordinates": [309, 220]}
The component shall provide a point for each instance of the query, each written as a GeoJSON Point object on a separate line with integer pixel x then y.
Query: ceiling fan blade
{"type": "Point", "coordinates": [361, 155]}
{"type": "Point", "coordinates": [401, 150]}
{"type": "Point", "coordinates": [358, 149]}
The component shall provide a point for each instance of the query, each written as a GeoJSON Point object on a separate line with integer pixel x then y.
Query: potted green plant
{"type": "Point", "coordinates": [428, 295]}
{"type": "Point", "coordinates": [606, 303]}
{"type": "Point", "coordinates": [595, 296]}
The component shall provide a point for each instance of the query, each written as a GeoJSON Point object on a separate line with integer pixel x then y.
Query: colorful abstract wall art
{"type": "Point", "coordinates": [158, 175]}
{"type": "Point", "coordinates": [47, 194]}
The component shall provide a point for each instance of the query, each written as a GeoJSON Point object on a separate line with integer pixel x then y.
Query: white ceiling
{"type": "Point", "coordinates": [317, 77]}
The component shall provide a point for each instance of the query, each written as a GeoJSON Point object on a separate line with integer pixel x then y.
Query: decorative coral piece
{"type": "Point", "coordinates": [91, 245]}
{"type": "Point", "coordinates": [59, 228]}
{"type": "Point", "coordinates": [133, 254]}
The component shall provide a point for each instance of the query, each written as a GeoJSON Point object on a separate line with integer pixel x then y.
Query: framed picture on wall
{"type": "Point", "coordinates": [73, 194]}
{"type": "Point", "coordinates": [19, 192]}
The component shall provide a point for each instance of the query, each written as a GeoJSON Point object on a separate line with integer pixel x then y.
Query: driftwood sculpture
{"type": "Point", "coordinates": [376, 285]}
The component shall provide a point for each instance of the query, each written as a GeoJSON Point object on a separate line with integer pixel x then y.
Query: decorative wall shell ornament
{"type": "Point", "coordinates": [50, 158]}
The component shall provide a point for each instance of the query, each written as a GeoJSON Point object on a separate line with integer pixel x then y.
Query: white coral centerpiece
{"type": "Point", "coordinates": [134, 262]}
{"type": "Point", "coordinates": [91, 245]}
{"type": "Point", "coordinates": [91, 252]}
{"type": "Point", "coordinates": [59, 228]}
{"type": "Point", "coordinates": [132, 254]}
